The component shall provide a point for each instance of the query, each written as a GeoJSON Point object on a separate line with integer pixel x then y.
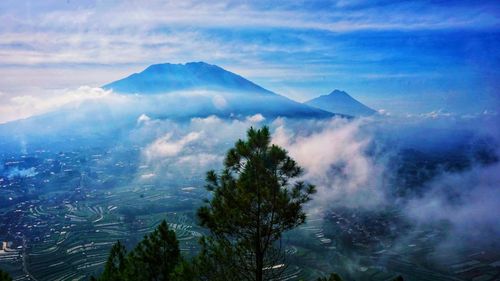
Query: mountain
{"type": "Point", "coordinates": [202, 89]}
{"type": "Point", "coordinates": [167, 77]}
{"type": "Point", "coordinates": [177, 92]}
{"type": "Point", "coordinates": [342, 103]}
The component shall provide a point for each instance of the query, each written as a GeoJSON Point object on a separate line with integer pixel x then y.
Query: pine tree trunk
{"type": "Point", "coordinates": [259, 256]}
{"type": "Point", "coordinates": [259, 266]}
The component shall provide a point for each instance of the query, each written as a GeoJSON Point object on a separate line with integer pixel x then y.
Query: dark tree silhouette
{"type": "Point", "coordinates": [256, 198]}
{"type": "Point", "coordinates": [155, 258]}
{"type": "Point", "coordinates": [4, 276]}
{"type": "Point", "coordinates": [332, 277]}
{"type": "Point", "coordinates": [115, 266]}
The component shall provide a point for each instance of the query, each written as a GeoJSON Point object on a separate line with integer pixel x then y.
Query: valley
{"type": "Point", "coordinates": [63, 211]}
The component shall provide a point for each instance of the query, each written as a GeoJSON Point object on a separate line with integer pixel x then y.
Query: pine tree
{"type": "Point", "coordinates": [115, 266]}
{"type": "Point", "coordinates": [255, 199]}
{"type": "Point", "coordinates": [156, 256]}
{"type": "Point", "coordinates": [332, 277]}
{"type": "Point", "coordinates": [4, 276]}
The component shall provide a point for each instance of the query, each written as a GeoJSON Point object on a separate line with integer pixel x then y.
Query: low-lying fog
{"type": "Point", "coordinates": [437, 168]}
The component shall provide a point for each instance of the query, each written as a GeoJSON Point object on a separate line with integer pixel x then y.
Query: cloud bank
{"type": "Point", "coordinates": [20, 107]}
{"type": "Point", "coordinates": [467, 201]}
{"type": "Point", "coordinates": [354, 164]}
{"type": "Point", "coordinates": [336, 159]}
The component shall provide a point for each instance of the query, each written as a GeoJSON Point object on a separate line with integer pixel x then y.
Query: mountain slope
{"type": "Point", "coordinates": [202, 89]}
{"type": "Point", "coordinates": [342, 103]}
{"type": "Point", "coordinates": [167, 77]}
{"type": "Point", "coordinates": [165, 91]}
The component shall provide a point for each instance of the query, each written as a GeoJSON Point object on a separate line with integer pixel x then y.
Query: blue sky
{"type": "Point", "coordinates": [401, 56]}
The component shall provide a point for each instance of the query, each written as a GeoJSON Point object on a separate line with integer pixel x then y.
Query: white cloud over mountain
{"type": "Point", "coordinates": [24, 106]}
{"type": "Point", "coordinates": [166, 147]}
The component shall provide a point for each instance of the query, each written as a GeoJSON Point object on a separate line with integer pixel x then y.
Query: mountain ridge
{"type": "Point", "coordinates": [228, 93]}
{"type": "Point", "coordinates": [168, 77]}
{"type": "Point", "coordinates": [340, 102]}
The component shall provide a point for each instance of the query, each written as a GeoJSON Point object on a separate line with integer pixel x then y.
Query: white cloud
{"type": "Point", "coordinates": [128, 33]}
{"type": "Point", "coordinates": [19, 107]}
{"type": "Point", "coordinates": [336, 160]}
{"type": "Point", "coordinates": [383, 112]}
{"type": "Point", "coordinates": [257, 118]}
{"type": "Point", "coordinates": [224, 13]}
{"type": "Point", "coordinates": [147, 176]}
{"type": "Point", "coordinates": [166, 147]}
{"type": "Point", "coordinates": [44, 45]}
{"type": "Point", "coordinates": [437, 114]}
{"type": "Point", "coordinates": [467, 201]}
{"type": "Point", "coordinates": [189, 148]}
{"type": "Point", "coordinates": [143, 119]}
{"type": "Point", "coordinates": [219, 102]}
{"type": "Point", "coordinates": [24, 173]}
{"type": "Point", "coordinates": [200, 161]}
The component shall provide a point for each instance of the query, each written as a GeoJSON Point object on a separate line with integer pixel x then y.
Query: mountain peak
{"type": "Point", "coordinates": [168, 77]}
{"type": "Point", "coordinates": [339, 101]}
{"type": "Point", "coordinates": [170, 66]}
{"type": "Point", "coordinates": [338, 92]}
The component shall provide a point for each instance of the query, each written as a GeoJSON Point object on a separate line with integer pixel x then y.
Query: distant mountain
{"type": "Point", "coordinates": [202, 89]}
{"type": "Point", "coordinates": [167, 77]}
{"type": "Point", "coordinates": [342, 103]}
{"type": "Point", "coordinates": [164, 91]}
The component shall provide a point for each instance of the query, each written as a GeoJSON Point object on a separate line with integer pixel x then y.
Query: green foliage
{"type": "Point", "coordinates": [186, 271]}
{"type": "Point", "coordinates": [116, 264]}
{"type": "Point", "coordinates": [217, 260]}
{"type": "Point", "coordinates": [156, 257]}
{"type": "Point", "coordinates": [255, 199]}
{"type": "Point", "coordinates": [4, 276]}
{"type": "Point", "coordinates": [332, 277]}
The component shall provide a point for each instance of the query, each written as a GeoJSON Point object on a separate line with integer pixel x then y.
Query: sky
{"type": "Point", "coordinates": [398, 56]}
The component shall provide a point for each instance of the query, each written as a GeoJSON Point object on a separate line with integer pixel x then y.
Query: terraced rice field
{"type": "Point", "coordinates": [76, 243]}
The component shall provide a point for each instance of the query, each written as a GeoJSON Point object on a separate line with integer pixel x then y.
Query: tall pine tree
{"type": "Point", "coordinates": [256, 198]}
